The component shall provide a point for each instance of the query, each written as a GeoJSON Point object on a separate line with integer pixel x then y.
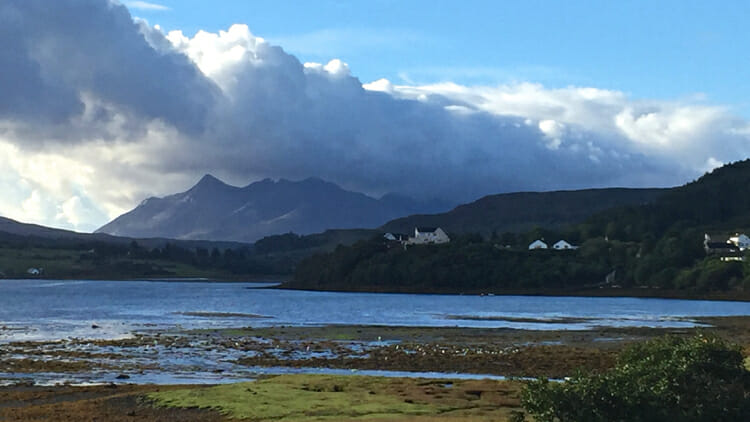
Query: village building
{"type": "Point", "coordinates": [726, 247]}
{"type": "Point", "coordinates": [537, 244]}
{"type": "Point", "coordinates": [562, 245]}
{"type": "Point", "coordinates": [740, 240]}
{"type": "Point", "coordinates": [428, 235]}
{"type": "Point", "coordinates": [396, 237]}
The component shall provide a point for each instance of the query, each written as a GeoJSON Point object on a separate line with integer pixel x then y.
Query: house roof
{"type": "Point", "coordinates": [720, 245]}
{"type": "Point", "coordinates": [426, 229]}
{"type": "Point", "coordinates": [397, 235]}
{"type": "Point", "coordinates": [718, 236]}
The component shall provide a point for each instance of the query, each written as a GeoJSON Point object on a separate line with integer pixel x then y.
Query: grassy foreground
{"type": "Point", "coordinates": [343, 398]}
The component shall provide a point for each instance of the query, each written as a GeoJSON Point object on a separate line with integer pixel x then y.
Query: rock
{"type": "Point", "coordinates": [94, 326]}
{"type": "Point", "coordinates": [123, 377]}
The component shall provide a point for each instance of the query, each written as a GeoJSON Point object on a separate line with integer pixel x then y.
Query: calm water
{"type": "Point", "coordinates": [50, 310]}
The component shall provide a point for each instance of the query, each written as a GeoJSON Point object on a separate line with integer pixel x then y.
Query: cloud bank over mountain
{"type": "Point", "coordinates": [100, 111]}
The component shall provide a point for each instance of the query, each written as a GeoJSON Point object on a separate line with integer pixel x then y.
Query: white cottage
{"type": "Point", "coordinates": [395, 237]}
{"type": "Point", "coordinates": [740, 240]}
{"type": "Point", "coordinates": [562, 245]}
{"type": "Point", "coordinates": [537, 244]}
{"type": "Point", "coordinates": [425, 235]}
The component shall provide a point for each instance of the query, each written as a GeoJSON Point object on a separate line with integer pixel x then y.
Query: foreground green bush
{"type": "Point", "coordinates": [695, 379]}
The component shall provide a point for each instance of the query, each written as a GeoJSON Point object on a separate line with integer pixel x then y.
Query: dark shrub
{"type": "Point", "coordinates": [697, 379]}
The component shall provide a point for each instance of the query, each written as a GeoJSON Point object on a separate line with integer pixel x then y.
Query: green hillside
{"type": "Point", "coordinates": [64, 254]}
{"type": "Point", "coordinates": [61, 254]}
{"type": "Point", "coordinates": [517, 212]}
{"type": "Point", "coordinates": [717, 201]}
{"type": "Point", "coordinates": [656, 246]}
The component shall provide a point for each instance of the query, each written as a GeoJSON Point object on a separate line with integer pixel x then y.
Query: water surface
{"type": "Point", "coordinates": [53, 310]}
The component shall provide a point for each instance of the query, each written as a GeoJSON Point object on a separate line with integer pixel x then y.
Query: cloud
{"type": "Point", "coordinates": [349, 41]}
{"type": "Point", "coordinates": [76, 66]}
{"type": "Point", "coordinates": [143, 5]}
{"type": "Point", "coordinates": [483, 74]}
{"type": "Point", "coordinates": [101, 111]}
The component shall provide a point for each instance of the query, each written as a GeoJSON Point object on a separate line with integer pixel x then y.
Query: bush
{"type": "Point", "coordinates": [697, 379]}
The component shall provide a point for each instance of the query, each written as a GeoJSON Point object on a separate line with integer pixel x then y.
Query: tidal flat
{"type": "Point", "coordinates": [414, 373]}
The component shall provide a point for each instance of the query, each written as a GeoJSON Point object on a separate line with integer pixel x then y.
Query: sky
{"type": "Point", "coordinates": [664, 49]}
{"type": "Point", "coordinates": [106, 103]}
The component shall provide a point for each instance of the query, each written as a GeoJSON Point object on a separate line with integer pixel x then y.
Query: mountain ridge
{"type": "Point", "coordinates": [214, 210]}
{"type": "Point", "coordinates": [519, 211]}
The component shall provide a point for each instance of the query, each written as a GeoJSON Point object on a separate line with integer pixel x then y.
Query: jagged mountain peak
{"type": "Point", "coordinates": [209, 181]}
{"type": "Point", "coordinates": [214, 210]}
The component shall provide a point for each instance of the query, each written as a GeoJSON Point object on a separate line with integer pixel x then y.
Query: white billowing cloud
{"type": "Point", "coordinates": [381, 85]}
{"type": "Point", "coordinates": [77, 212]}
{"type": "Point", "coordinates": [100, 112]}
{"type": "Point", "coordinates": [38, 187]}
{"type": "Point", "coordinates": [144, 5]}
{"type": "Point", "coordinates": [298, 120]}
{"type": "Point", "coordinates": [34, 206]}
{"type": "Point", "coordinates": [554, 131]}
{"type": "Point", "coordinates": [685, 133]}
{"type": "Point", "coordinates": [345, 41]}
{"type": "Point", "coordinates": [219, 55]}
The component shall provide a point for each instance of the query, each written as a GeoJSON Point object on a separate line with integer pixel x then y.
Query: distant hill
{"type": "Point", "coordinates": [214, 210]}
{"type": "Point", "coordinates": [717, 201]}
{"type": "Point", "coordinates": [12, 229]}
{"type": "Point", "coordinates": [63, 254]}
{"type": "Point", "coordinates": [651, 248]}
{"type": "Point", "coordinates": [517, 212]}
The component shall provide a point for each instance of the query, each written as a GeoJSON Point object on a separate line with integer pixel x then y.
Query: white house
{"type": "Point", "coordinates": [425, 235]}
{"type": "Point", "coordinates": [720, 248]}
{"type": "Point", "coordinates": [537, 244]}
{"type": "Point", "coordinates": [740, 240]}
{"type": "Point", "coordinates": [34, 271]}
{"type": "Point", "coordinates": [561, 245]}
{"type": "Point", "coordinates": [395, 237]}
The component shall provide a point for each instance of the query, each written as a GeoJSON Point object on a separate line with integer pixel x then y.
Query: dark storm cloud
{"type": "Point", "coordinates": [59, 51]}
{"type": "Point", "coordinates": [171, 108]}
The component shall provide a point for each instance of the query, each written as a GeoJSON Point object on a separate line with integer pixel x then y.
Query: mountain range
{"type": "Point", "coordinates": [214, 210]}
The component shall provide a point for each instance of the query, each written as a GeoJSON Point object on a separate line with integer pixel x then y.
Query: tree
{"type": "Point", "coordinates": [697, 379]}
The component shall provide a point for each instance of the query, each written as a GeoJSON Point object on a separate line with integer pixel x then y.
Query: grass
{"type": "Point", "coordinates": [68, 263]}
{"type": "Point", "coordinates": [302, 398]}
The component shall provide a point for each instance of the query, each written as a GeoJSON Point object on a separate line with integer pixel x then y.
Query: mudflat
{"type": "Point", "coordinates": [309, 352]}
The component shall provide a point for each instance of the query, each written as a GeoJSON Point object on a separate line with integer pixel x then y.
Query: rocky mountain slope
{"type": "Point", "coordinates": [214, 210]}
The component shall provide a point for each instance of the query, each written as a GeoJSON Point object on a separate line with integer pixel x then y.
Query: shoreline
{"type": "Point", "coordinates": [637, 293]}
{"type": "Point", "coordinates": [283, 280]}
